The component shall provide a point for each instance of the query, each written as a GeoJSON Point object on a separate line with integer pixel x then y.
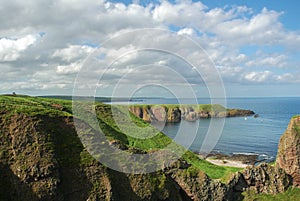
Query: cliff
{"type": "Point", "coordinates": [42, 158]}
{"type": "Point", "coordinates": [174, 113]}
{"type": "Point", "coordinates": [288, 156]}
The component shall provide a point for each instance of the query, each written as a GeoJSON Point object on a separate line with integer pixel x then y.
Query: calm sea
{"type": "Point", "coordinates": [241, 135]}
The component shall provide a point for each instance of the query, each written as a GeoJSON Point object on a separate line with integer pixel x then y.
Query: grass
{"type": "Point", "coordinates": [212, 107]}
{"type": "Point", "coordinates": [157, 142]}
{"type": "Point", "coordinates": [213, 171]}
{"type": "Point", "coordinates": [33, 106]}
{"type": "Point", "coordinates": [292, 194]}
{"type": "Point", "coordinates": [116, 125]}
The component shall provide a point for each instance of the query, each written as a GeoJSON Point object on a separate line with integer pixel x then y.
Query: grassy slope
{"type": "Point", "coordinates": [33, 106]}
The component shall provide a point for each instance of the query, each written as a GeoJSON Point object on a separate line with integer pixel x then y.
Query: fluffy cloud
{"type": "Point", "coordinates": [75, 29]}
{"type": "Point", "coordinates": [73, 52]}
{"type": "Point", "coordinates": [11, 48]}
{"type": "Point", "coordinates": [268, 60]}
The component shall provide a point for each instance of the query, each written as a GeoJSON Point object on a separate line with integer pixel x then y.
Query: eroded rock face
{"type": "Point", "coordinates": [198, 186]}
{"type": "Point", "coordinates": [261, 179]}
{"type": "Point", "coordinates": [157, 113]}
{"type": "Point", "coordinates": [266, 179]}
{"type": "Point", "coordinates": [288, 157]}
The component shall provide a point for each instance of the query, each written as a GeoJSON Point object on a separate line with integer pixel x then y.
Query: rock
{"type": "Point", "coordinates": [266, 179]}
{"type": "Point", "coordinates": [171, 114]}
{"type": "Point", "coordinates": [191, 116]}
{"type": "Point", "coordinates": [261, 179]}
{"type": "Point", "coordinates": [146, 114]}
{"type": "Point", "coordinates": [197, 186]}
{"type": "Point", "coordinates": [288, 157]}
{"type": "Point", "coordinates": [158, 113]}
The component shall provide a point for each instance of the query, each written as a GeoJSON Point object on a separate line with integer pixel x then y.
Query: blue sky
{"type": "Point", "coordinates": [252, 48]}
{"type": "Point", "coordinates": [289, 7]}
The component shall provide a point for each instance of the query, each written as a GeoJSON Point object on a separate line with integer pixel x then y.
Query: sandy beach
{"type": "Point", "coordinates": [234, 160]}
{"type": "Point", "coordinates": [226, 162]}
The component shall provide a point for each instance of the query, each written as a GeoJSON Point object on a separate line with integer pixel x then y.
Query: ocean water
{"type": "Point", "coordinates": [240, 135]}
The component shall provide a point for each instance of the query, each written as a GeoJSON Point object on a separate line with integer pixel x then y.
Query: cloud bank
{"type": "Point", "coordinates": [43, 44]}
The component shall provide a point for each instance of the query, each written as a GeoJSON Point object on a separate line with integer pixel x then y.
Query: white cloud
{"type": "Point", "coordinates": [186, 31]}
{"type": "Point", "coordinates": [11, 49]}
{"type": "Point", "coordinates": [68, 69]}
{"type": "Point", "coordinates": [73, 52]}
{"type": "Point", "coordinates": [74, 28]}
{"type": "Point", "coordinates": [258, 77]}
{"type": "Point", "coordinates": [270, 60]}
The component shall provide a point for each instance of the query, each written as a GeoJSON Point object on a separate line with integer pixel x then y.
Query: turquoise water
{"type": "Point", "coordinates": [241, 135]}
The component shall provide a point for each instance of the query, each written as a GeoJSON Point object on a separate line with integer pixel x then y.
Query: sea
{"type": "Point", "coordinates": [240, 135]}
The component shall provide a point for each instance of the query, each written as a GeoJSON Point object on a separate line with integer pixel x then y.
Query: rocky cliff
{"type": "Point", "coordinates": [174, 113]}
{"type": "Point", "coordinates": [288, 157]}
{"type": "Point", "coordinates": [42, 158]}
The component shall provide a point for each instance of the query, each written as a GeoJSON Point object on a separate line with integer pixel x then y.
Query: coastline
{"type": "Point", "coordinates": [227, 163]}
{"type": "Point", "coordinates": [234, 160]}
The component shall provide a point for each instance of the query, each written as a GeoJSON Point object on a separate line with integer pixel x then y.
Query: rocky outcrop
{"type": "Point", "coordinates": [261, 179]}
{"type": "Point", "coordinates": [288, 156]}
{"type": "Point", "coordinates": [173, 113]}
{"type": "Point", "coordinates": [156, 113]}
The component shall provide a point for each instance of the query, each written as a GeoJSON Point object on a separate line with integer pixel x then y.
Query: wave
{"type": "Point", "coordinates": [245, 153]}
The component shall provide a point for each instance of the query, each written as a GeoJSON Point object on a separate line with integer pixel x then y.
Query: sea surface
{"type": "Point", "coordinates": [246, 135]}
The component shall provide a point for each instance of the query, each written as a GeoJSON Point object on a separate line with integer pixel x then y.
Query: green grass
{"type": "Point", "coordinates": [212, 107]}
{"type": "Point", "coordinates": [157, 142]}
{"type": "Point", "coordinates": [292, 194]}
{"type": "Point", "coordinates": [33, 106]}
{"type": "Point", "coordinates": [213, 171]}
{"type": "Point", "coordinates": [117, 125]}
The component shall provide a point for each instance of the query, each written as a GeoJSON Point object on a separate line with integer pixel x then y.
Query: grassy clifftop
{"type": "Point", "coordinates": [36, 107]}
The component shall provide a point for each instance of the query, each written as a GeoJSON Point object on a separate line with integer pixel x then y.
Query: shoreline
{"type": "Point", "coordinates": [227, 163]}
{"type": "Point", "coordinates": [239, 160]}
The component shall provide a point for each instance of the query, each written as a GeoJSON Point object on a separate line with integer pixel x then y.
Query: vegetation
{"type": "Point", "coordinates": [292, 194]}
{"type": "Point", "coordinates": [33, 106]}
{"type": "Point", "coordinates": [115, 124]}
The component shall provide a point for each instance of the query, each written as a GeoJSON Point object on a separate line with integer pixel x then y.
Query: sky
{"type": "Point", "coordinates": [236, 48]}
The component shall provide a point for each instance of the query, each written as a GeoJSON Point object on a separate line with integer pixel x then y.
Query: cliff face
{"type": "Point", "coordinates": [288, 157]}
{"type": "Point", "coordinates": [171, 113]}
{"type": "Point", "coordinates": [43, 159]}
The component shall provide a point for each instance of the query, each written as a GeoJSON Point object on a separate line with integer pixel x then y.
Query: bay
{"type": "Point", "coordinates": [240, 135]}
